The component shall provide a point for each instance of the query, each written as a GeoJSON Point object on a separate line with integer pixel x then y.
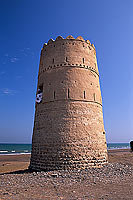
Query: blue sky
{"type": "Point", "coordinates": [26, 25]}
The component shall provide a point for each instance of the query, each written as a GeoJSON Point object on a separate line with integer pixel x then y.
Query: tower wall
{"type": "Point", "coordinates": [68, 127]}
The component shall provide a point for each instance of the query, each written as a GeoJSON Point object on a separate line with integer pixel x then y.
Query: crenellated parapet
{"type": "Point", "coordinates": [68, 39]}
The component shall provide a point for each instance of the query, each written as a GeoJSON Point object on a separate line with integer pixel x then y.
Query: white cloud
{"type": "Point", "coordinates": [27, 51]}
{"type": "Point", "coordinates": [13, 60]}
{"type": "Point", "coordinates": [6, 91]}
{"type": "Point", "coordinates": [21, 53]}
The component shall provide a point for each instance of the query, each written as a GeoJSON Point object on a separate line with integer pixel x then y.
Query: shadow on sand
{"type": "Point", "coordinates": [25, 171]}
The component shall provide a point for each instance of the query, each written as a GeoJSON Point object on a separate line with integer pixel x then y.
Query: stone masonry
{"type": "Point", "coordinates": [68, 127]}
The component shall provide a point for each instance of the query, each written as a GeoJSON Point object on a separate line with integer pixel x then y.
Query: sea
{"type": "Point", "coordinates": [15, 149]}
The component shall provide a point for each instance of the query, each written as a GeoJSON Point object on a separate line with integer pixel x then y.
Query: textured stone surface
{"type": "Point", "coordinates": [68, 128]}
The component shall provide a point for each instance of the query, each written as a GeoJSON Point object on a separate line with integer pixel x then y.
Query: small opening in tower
{"type": "Point", "coordinates": [39, 94]}
{"type": "Point", "coordinates": [41, 88]}
{"type": "Point", "coordinates": [84, 94]}
{"type": "Point", "coordinates": [83, 60]}
{"type": "Point", "coordinates": [54, 94]}
{"type": "Point", "coordinates": [53, 60]}
{"type": "Point", "coordinates": [94, 96]}
{"type": "Point", "coordinates": [68, 93]}
{"type": "Point", "coordinates": [66, 59]}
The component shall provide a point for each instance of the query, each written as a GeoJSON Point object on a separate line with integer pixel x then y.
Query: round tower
{"type": "Point", "coordinates": [68, 127]}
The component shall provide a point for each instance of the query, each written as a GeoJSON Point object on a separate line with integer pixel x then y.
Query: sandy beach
{"type": "Point", "coordinates": [114, 181]}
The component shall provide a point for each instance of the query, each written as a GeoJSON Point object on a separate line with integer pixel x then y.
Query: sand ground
{"type": "Point", "coordinates": [114, 181]}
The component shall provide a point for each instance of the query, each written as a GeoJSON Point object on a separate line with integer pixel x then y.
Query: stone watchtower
{"type": "Point", "coordinates": [68, 128]}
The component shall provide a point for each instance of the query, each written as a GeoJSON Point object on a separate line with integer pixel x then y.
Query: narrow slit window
{"type": "Point", "coordinates": [84, 94]}
{"type": "Point", "coordinates": [94, 96]}
{"type": "Point", "coordinates": [66, 59]}
{"type": "Point", "coordinates": [54, 94]}
{"type": "Point", "coordinates": [68, 93]}
{"type": "Point", "coordinates": [53, 60]}
{"type": "Point", "coordinates": [83, 60]}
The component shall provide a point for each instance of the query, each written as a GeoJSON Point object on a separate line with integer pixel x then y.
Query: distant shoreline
{"type": "Point", "coordinates": [25, 149]}
{"type": "Point", "coordinates": [14, 154]}
{"type": "Point", "coordinates": [109, 150]}
{"type": "Point", "coordinates": [28, 153]}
